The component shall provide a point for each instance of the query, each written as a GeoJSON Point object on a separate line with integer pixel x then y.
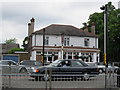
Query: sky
{"type": "Point", "coordinates": [16, 14]}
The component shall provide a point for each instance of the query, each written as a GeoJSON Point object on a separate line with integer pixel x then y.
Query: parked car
{"type": "Point", "coordinates": [102, 67]}
{"type": "Point", "coordinates": [66, 67]}
{"type": "Point", "coordinates": [8, 67]}
{"type": "Point", "coordinates": [27, 66]}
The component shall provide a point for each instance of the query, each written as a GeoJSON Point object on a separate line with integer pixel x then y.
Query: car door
{"type": "Point", "coordinates": [77, 67]}
{"type": "Point", "coordinates": [61, 69]}
{"type": "Point", "coordinates": [4, 67]}
{"type": "Point", "coordinates": [14, 67]}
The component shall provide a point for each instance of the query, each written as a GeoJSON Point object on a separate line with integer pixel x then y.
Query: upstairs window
{"type": "Point", "coordinates": [66, 41]}
{"type": "Point", "coordinates": [86, 42]}
{"type": "Point", "coordinates": [46, 40]}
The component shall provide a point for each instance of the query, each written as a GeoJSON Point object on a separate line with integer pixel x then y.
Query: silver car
{"type": "Point", "coordinates": [27, 66]}
{"type": "Point", "coordinates": [102, 67]}
{"type": "Point", "coordinates": [8, 67]}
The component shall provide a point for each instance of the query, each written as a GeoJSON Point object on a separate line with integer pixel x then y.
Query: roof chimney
{"type": "Point", "coordinates": [31, 27]}
{"type": "Point", "coordinates": [93, 27]}
{"type": "Point", "coordinates": [29, 31]}
{"type": "Point", "coordinates": [86, 29]}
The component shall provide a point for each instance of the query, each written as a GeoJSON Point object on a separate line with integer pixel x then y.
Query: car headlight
{"type": "Point", "coordinates": [33, 69]}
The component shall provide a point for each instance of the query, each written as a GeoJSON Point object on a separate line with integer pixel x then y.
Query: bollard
{"type": "Point", "coordinates": [118, 78]}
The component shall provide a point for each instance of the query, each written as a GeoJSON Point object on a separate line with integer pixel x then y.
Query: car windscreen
{"type": "Point", "coordinates": [55, 63]}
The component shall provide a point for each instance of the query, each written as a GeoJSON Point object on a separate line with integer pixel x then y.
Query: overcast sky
{"type": "Point", "coordinates": [15, 16]}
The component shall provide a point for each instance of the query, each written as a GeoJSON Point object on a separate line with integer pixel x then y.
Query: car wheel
{"type": "Point", "coordinates": [23, 70]}
{"type": "Point", "coordinates": [85, 77]}
{"type": "Point", "coordinates": [46, 77]}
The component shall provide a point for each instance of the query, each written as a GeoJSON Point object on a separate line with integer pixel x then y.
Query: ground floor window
{"type": "Point", "coordinates": [87, 57]}
{"type": "Point", "coordinates": [52, 56]}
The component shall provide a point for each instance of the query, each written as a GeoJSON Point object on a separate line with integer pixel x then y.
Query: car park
{"type": "Point", "coordinates": [27, 66]}
{"type": "Point", "coordinates": [8, 66]}
{"type": "Point", "coordinates": [73, 67]}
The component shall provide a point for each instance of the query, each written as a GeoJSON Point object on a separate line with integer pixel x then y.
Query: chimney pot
{"type": "Point", "coordinates": [29, 24]}
{"type": "Point", "coordinates": [32, 20]}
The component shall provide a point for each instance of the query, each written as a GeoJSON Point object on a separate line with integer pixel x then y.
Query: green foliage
{"type": "Point", "coordinates": [25, 43]}
{"type": "Point", "coordinates": [15, 49]}
{"type": "Point", "coordinates": [113, 31]}
{"type": "Point", "coordinates": [9, 41]}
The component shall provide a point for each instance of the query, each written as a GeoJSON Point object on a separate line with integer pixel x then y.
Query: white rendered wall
{"type": "Point", "coordinates": [77, 41]}
{"type": "Point", "coordinates": [94, 57]}
{"type": "Point", "coordinates": [37, 40]}
{"type": "Point", "coordinates": [93, 42]}
{"type": "Point", "coordinates": [33, 56]}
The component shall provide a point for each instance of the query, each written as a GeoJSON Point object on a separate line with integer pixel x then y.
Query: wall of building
{"type": "Point", "coordinates": [37, 40]}
{"type": "Point", "coordinates": [76, 41]}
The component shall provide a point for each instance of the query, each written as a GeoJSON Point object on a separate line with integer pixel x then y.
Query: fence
{"type": "Point", "coordinates": [50, 81]}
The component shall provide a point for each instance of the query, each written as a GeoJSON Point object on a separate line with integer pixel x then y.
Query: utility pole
{"type": "Point", "coordinates": [62, 42]}
{"type": "Point", "coordinates": [105, 40]}
{"type": "Point", "coordinates": [43, 46]}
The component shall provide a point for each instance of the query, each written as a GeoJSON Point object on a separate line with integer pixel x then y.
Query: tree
{"type": "Point", "coordinates": [9, 41]}
{"type": "Point", "coordinates": [25, 43]}
{"type": "Point", "coordinates": [113, 31]}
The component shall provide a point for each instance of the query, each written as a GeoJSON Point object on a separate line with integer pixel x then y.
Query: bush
{"type": "Point", "coordinates": [12, 51]}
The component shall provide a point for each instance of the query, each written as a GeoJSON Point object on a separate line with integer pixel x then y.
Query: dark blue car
{"type": "Point", "coordinates": [67, 67]}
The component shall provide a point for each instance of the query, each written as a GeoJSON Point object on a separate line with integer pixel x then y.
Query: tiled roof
{"type": "Point", "coordinates": [67, 30]}
{"type": "Point", "coordinates": [7, 47]}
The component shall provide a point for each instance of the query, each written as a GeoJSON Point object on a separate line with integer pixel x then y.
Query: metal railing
{"type": "Point", "coordinates": [49, 81]}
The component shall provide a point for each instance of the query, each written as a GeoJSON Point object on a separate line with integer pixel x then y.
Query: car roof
{"type": "Point", "coordinates": [7, 60]}
{"type": "Point", "coordinates": [72, 60]}
{"type": "Point", "coordinates": [29, 61]}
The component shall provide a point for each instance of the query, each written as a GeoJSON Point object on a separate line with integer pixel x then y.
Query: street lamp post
{"type": "Point", "coordinates": [105, 32]}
